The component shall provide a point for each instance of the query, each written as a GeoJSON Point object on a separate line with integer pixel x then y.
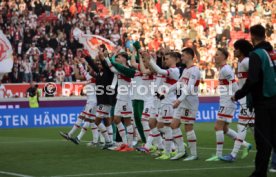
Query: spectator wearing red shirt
{"type": "Point", "coordinates": [68, 72]}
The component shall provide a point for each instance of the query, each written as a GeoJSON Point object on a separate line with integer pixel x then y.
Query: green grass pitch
{"type": "Point", "coordinates": [42, 152]}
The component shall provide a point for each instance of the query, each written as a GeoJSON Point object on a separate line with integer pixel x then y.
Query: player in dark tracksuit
{"type": "Point", "coordinates": [106, 97]}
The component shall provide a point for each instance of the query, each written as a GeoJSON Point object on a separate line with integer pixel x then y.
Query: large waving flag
{"type": "Point", "coordinates": [6, 59]}
{"type": "Point", "coordinates": [92, 42]}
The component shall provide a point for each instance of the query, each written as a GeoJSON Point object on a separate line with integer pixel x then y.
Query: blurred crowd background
{"type": "Point", "coordinates": [40, 31]}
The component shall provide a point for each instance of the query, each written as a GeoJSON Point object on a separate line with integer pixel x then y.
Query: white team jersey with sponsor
{"type": "Point", "coordinates": [123, 88]}
{"type": "Point", "coordinates": [242, 75]}
{"type": "Point", "coordinates": [135, 83]}
{"type": "Point", "coordinates": [170, 79]}
{"type": "Point", "coordinates": [190, 80]}
{"type": "Point", "coordinates": [91, 92]}
{"type": "Point", "coordinates": [90, 87]}
{"type": "Point", "coordinates": [227, 86]}
{"type": "Point", "coordinates": [148, 82]}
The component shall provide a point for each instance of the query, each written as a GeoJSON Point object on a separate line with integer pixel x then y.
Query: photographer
{"type": "Point", "coordinates": [33, 95]}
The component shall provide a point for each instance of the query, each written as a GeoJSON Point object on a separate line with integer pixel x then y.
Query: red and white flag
{"type": "Point", "coordinates": [92, 42]}
{"type": "Point", "coordinates": [6, 59]}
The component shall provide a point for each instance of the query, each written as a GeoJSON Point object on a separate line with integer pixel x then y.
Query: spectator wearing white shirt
{"type": "Point", "coordinates": [60, 75]}
{"type": "Point", "coordinates": [240, 9]}
{"type": "Point", "coordinates": [49, 51]}
{"type": "Point", "coordinates": [33, 50]}
{"type": "Point", "coordinates": [27, 65]}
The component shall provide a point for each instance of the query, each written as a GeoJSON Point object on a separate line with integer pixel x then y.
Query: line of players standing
{"type": "Point", "coordinates": [163, 111]}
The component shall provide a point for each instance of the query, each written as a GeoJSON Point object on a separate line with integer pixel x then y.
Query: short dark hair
{"type": "Point", "coordinates": [244, 46]}
{"type": "Point", "coordinates": [189, 51]}
{"type": "Point", "coordinates": [172, 54]}
{"type": "Point", "coordinates": [224, 52]}
{"type": "Point", "coordinates": [178, 55]}
{"type": "Point", "coordinates": [258, 31]}
{"type": "Point", "coordinates": [123, 54]}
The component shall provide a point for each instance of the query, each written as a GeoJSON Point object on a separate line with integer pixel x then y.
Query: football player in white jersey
{"type": "Point", "coordinates": [149, 81]}
{"type": "Point", "coordinates": [227, 87]}
{"type": "Point", "coordinates": [123, 107]}
{"type": "Point", "coordinates": [166, 109]}
{"type": "Point", "coordinates": [186, 106]}
{"type": "Point", "coordinates": [143, 93]}
{"type": "Point", "coordinates": [89, 113]}
{"type": "Point", "coordinates": [246, 118]}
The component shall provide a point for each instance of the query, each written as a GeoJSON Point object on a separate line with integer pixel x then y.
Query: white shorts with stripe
{"type": "Point", "coordinates": [226, 114]}
{"type": "Point", "coordinates": [166, 113]}
{"type": "Point", "coordinates": [245, 116]}
{"type": "Point", "coordinates": [89, 111]}
{"type": "Point", "coordinates": [148, 111]}
{"type": "Point", "coordinates": [186, 116]}
{"type": "Point", "coordinates": [156, 108]}
{"type": "Point", "coordinates": [103, 111]}
{"type": "Point", "coordinates": [123, 109]}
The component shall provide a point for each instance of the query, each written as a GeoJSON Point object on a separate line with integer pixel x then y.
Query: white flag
{"type": "Point", "coordinates": [92, 42]}
{"type": "Point", "coordinates": [6, 59]}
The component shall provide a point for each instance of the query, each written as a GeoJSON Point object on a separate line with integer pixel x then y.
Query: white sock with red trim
{"type": "Point", "coordinates": [178, 139]}
{"type": "Point", "coordinates": [130, 135]}
{"type": "Point", "coordinates": [231, 133]}
{"type": "Point", "coordinates": [84, 129]}
{"type": "Point", "coordinates": [220, 142]}
{"type": "Point", "coordinates": [95, 132]}
{"type": "Point", "coordinates": [191, 137]}
{"type": "Point", "coordinates": [150, 139]}
{"type": "Point", "coordinates": [146, 128]}
{"type": "Point", "coordinates": [157, 140]}
{"type": "Point", "coordinates": [75, 127]}
{"type": "Point", "coordinates": [104, 132]}
{"type": "Point", "coordinates": [110, 132]}
{"type": "Point", "coordinates": [168, 139]}
{"type": "Point", "coordinates": [122, 132]}
{"type": "Point", "coordinates": [239, 140]}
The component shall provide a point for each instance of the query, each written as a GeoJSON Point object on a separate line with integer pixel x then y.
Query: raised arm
{"type": "Point", "coordinates": [86, 75]}
{"type": "Point", "coordinates": [91, 63]}
{"type": "Point", "coordinates": [143, 68]}
{"type": "Point", "coordinates": [157, 69]}
{"type": "Point", "coordinates": [133, 62]}
{"type": "Point", "coordinates": [111, 67]}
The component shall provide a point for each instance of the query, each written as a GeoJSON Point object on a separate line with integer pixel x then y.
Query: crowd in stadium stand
{"type": "Point", "coordinates": [40, 31]}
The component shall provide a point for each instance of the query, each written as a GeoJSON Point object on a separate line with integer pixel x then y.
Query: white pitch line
{"type": "Point", "coordinates": [14, 174]}
{"type": "Point", "coordinates": [152, 171]}
{"type": "Point", "coordinates": [57, 140]}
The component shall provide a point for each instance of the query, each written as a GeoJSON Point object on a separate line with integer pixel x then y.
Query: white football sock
{"type": "Point", "coordinates": [191, 137]}
{"type": "Point", "coordinates": [168, 139]}
{"type": "Point", "coordinates": [122, 132]}
{"type": "Point", "coordinates": [75, 127]}
{"type": "Point", "coordinates": [95, 132]}
{"type": "Point", "coordinates": [110, 132]}
{"type": "Point", "coordinates": [130, 134]}
{"type": "Point", "coordinates": [146, 128]}
{"type": "Point", "coordinates": [104, 132]}
{"type": "Point", "coordinates": [220, 142]}
{"type": "Point", "coordinates": [84, 129]}
{"type": "Point", "coordinates": [231, 133]}
{"type": "Point", "coordinates": [178, 139]}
